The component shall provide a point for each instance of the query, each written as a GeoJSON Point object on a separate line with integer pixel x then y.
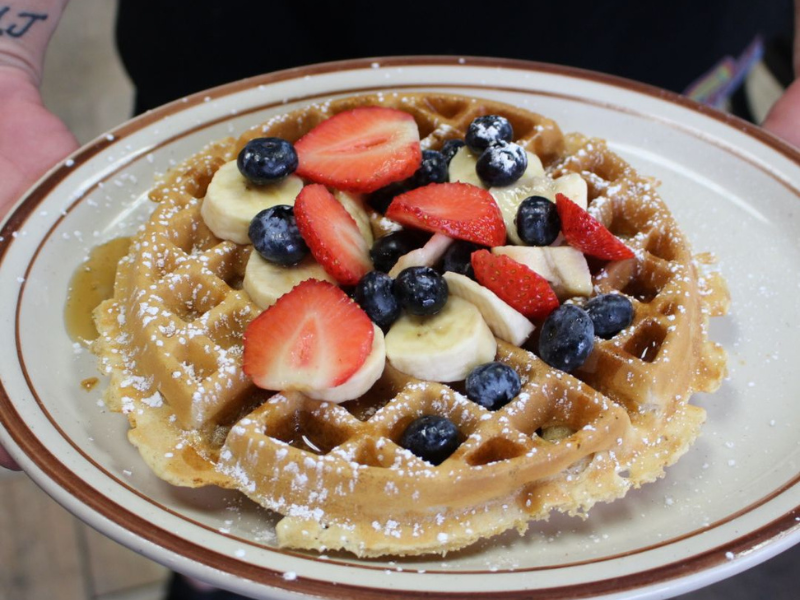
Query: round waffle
{"type": "Point", "coordinates": [171, 341]}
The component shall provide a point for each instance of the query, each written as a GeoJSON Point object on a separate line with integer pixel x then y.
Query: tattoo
{"type": "Point", "coordinates": [17, 25]}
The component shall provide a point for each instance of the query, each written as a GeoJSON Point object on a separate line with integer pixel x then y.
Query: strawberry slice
{"type": "Point", "coordinates": [587, 234]}
{"type": "Point", "coordinates": [458, 210]}
{"type": "Point", "coordinates": [314, 337]}
{"type": "Point", "coordinates": [332, 234]}
{"type": "Point", "coordinates": [518, 286]}
{"type": "Point", "coordinates": [360, 150]}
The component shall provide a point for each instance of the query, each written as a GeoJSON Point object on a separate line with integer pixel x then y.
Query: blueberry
{"type": "Point", "coordinates": [432, 170]}
{"type": "Point", "coordinates": [458, 258]}
{"type": "Point", "coordinates": [501, 164]}
{"type": "Point", "coordinates": [375, 294]}
{"type": "Point", "coordinates": [610, 314]}
{"type": "Point", "coordinates": [266, 160]}
{"type": "Point", "coordinates": [450, 147]}
{"type": "Point", "coordinates": [431, 437]}
{"type": "Point", "coordinates": [422, 291]}
{"type": "Point", "coordinates": [567, 337]}
{"type": "Point", "coordinates": [537, 221]}
{"type": "Point", "coordinates": [486, 130]}
{"type": "Point", "coordinates": [275, 237]}
{"type": "Point", "coordinates": [492, 385]}
{"type": "Point", "coordinates": [381, 199]}
{"type": "Point", "coordinates": [387, 249]}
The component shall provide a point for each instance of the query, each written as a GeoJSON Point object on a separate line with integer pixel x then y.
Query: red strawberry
{"type": "Point", "coordinates": [314, 337]}
{"type": "Point", "coordinates": [515, 284]}
{"type": "Point", "coordinates": [360, 150]}
{"type": "Point", "coordinates": [587, 234]}
{"type": "Point", "coordinates": [459, 210]}
{"type": "Point", "coordinates": [332, 235]}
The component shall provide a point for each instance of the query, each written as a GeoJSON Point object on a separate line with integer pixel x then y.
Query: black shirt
{"type": "Point", "coordinates": [171, 49]}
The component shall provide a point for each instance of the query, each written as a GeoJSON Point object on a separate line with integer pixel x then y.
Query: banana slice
{"type": "Point", "coordinates": [509, 198]}
{"type": "Point", "coordinates": [427, 256]}
{"type": "Point", "coordinates": [462, 167]}
{"type": "Point", "coordinates": [265, 281]}
{"type": "Point", "coordinates": [443, 347]}
{"type": "Point", "coordinates": [574, 187]}
{"type": "Point", "coordinates": [354, 205]}
{"type": "Point", "coordinates": [505, 322]}
{"type": "Point", "coordinates": [564, 267]}
{"type": "Point", "coordinates": [361, 380]}
{"type": "Point", "coordinates": [231, 201]}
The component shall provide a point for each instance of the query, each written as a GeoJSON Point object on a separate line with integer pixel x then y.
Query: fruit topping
{"type": "Point", "coordinates": [566, 338]}
{"type": "Point", "coordinates": [274, 235]}
{"type": "Point", "coordinates": [387, 249]}
{"type": "Point", "coordinates": [421, 290]}
{"type": "Point", "coordinates": [486, 130]}
{"type": "Point", "coordinates": [458, 210]}
{"type": "Point", "coordinates": [432, 170]}
{"type": "Point", "coordinates": [501, 164]}
{"type": "Point", "coordinates": [587, 234]}
{"type": "Point", "coordinates": [266, 160]}
{"type": "Point", "coordinates": [450, 147]}
{"type": "Point", "coordinates": [537, 221]}
{"type": "Point", "coordinates": [381, 198]}
{"type": "Point", "coordinates": [610, 313]}
{"type": "Point", "coordinates": [523, 289]}
{"type": "Point", "coordinates": [314, 337]}
{"type": "Point", "coordinates": [457, 258]}
{"type": "Point", "coordinates": [441, 347]}
{"type": "Point", "coordinates": [504, 321]}
{"type": "Point", "coordinates": [432, 438]}
{"type": "Point", "coordinates": [375, 294]}
{"type": "Point", "coordinates": [492, 385]}
{"type": "Point", "coordinates": [332, 235]}
{"type": "Point", "coordinates": [361, 150]}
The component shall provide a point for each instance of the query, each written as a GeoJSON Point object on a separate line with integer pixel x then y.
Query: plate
{"type": "Point", "coordinates": [730, 503]}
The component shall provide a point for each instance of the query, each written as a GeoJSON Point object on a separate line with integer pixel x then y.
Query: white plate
{"type": "Point", "coordinates": [727, 505]}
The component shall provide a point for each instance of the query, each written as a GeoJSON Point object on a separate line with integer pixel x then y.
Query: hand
{"type": "Point", "coordinates": [32, 139]}
{"type": "Point", "coordinates": [784, 118]}
{"type": "Point", "coordinates": [6, 461]}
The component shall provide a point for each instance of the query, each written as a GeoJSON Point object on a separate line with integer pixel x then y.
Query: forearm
{"type": "Point", "coordinates": [26, 27]}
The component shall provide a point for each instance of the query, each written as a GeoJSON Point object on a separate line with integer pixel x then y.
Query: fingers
{"type": "Point", "coordinates": [784, 118]}
{"type": "Point", "coordinates": [6, 460]}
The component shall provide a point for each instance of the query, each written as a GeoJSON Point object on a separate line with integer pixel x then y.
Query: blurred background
{"type": "Point", "coordinates": [45, 553]}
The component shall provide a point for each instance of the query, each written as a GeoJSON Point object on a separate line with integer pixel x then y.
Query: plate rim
{"type": "Point", "coordinates": [34, 197]}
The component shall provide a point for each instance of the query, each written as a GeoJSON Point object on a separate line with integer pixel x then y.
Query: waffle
{"type": "Point", "coordinates": [171, 341]}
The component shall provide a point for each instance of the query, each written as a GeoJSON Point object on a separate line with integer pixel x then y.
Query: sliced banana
{"type": "Point", "coordinates": [265, 281]}
{"type": "Point", "coordinates": [442, 347]}
{"type": "Point", "coordinates": [462, 167]}
{"type": "Point", "coordinates": [354, 205]}
{"type": "Point", "coordinates": [427, 256]}
{"type": "Point", "coordinates": [509, 198]}
{"type": "Point", "coordinates": [363, 379]}
{"type": "Point", "coordinates": [574, 187]}
{"type": "Point", "coordinates": [231, 201]}
{"type": "Point", "coordinates": [505, 322]}
{"type": "Point", "coordinates": [564, 267]}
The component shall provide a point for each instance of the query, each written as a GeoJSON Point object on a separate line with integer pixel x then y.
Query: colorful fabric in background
{"type": "Point", "coordinates": [718, 84]}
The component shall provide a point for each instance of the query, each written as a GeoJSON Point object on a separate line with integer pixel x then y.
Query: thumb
{"type": "Point", "coordinates": [784, 118]}
{"type": "Point", "coordinates": [6, 460]}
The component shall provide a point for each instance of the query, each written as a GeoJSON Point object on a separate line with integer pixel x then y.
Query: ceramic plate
{"type": "Point", "coordinates": [730, 503]}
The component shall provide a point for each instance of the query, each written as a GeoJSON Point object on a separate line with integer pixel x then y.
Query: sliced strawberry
{"type": "Point", "coordinates": [314, 337]}
{"type": "Point", "coordinates": [332, 234]}
{"type": "Point", "coordinates": [587, 234]}
{"type": "Point", "coordinates": [360, 150]}
{"type": "Point", "coordinates": [515, 284]}
{"type": "Point", "coordinates": [458, 210]}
